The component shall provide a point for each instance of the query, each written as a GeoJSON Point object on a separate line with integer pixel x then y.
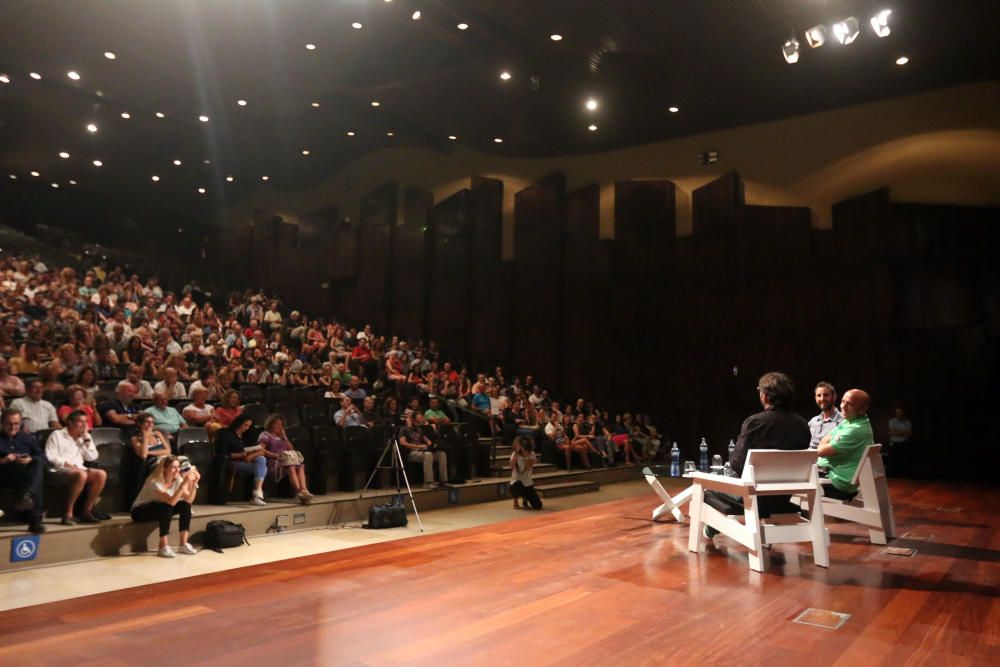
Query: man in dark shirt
{"type": "Point", "coordinates": [22, 462]}
{"type": "Point", "coordinates": [120, 412]}
{"type": "Point", "coordinates": [421, 449]}
{"type": "Point", "coordinates": [776, 427]}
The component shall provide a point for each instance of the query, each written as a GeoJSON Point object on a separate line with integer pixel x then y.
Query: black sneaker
{"type": "Point", "coordinates": [25, 503]}
{"type": "Point", "coordinates": [103, 516]}
{"type": "Point", "coordinates": [36, 527]}
{"type": "Point", "coordinates": [709, 532]}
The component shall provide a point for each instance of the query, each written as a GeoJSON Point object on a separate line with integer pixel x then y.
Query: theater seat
{"type": "Point", "coordinates": [201, 457]}
{"type": "Point", "coordinates": [289, 412]}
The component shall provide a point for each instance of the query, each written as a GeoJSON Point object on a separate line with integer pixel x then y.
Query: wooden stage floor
{"type": "Point", "coordinates": [599, 585]}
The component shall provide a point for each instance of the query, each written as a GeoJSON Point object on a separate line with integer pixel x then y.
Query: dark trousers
{"type": "Point", "coordinates": [519, 490]}
{"type": "Point", "coordinates": [162, 513]}
{"type": "Point", "coordinates": [766, 505]}
{"type": "Point", "coordinates": [25, 479]}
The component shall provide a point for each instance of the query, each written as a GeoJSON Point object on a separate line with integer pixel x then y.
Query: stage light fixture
{"type": "Point", "coordinates": [71, 182]}
{"type": "Point", "coordinates": [36, 76]}
{"type": "Point", "coordinates": [376, 103]}
{"type": "Point", "coordinates": [390, 134]}
{"type": "Point", "coordinates": [110, 55]}
{"type": "Point", "coordinates": [350, 133]}
{"type": "Point", "coordinates": [357, 25]}
{"type": "Point", "coordinates": [265, 178]}
{"type": "Point", "coordinates": [305, 152]}
{"type": "Point", "coordinates": [846, 31]}
{"type": "Point", "coordinates": [177, 163]}
{"type": "Point", "coordinates": [555, 37]}
{"type": "Point", "coordinates": [207, 161]}
{"type": "Point", "coordinates": [203, 118]}
{"type": "Point", "coordinates": [34, 173]}
{"type": "Point", "coordinates": [55, 185]}
{"type": "Point", "coordinates": [591, 104]}
{"type": "Point", "coordinates": [241, 103]}
{"type": "Point", "coordinates": [13, 177]}
{"type": "Point", "coordinates": [126, 115]}
{"type": "Point", "coordinates": [160, 114]}
{"type": "Point", "coordinates": [816, 36]}
{"type": "Point", "coordinates": [156, 179]}
{"type": "Point", "coordinates": [790, 50]}
{"type": "Point", "coordinates": [311, 47]}
{"type": "Point", "coordinates": [505, 75]}
{"type": "Point", "coordinates": [902, 60]}
{"type": "Point", "coordinates": [315, 105]}
{"type": "Point", "coordinates": [98, 163]}
{"type": "Point", "coordinates": [73, 75]}
{"type": "Point", "coordinates": [592, 128]}
{"type": "Point", "coordinates": [416, 15]}
{"type": "Point", "coordinates": [91, 127]}
{"type": "Point", "coordinates": [201, 191]}
{"type": "Point", "coordinates": [4, 78]}
{"type": "Point", "coordinates": [229, 179]}
{"type": "Point", "coordinates": [452, 137]}
{"type": "Point", "coordinates": [497, 140]}
{"type": "Point", "coordinates": [64, 155]}
{"type": "Point", "coordinates": [673, 109]}
{"type": "Point", "coordinates": [880, 23]}
{"type": "Point", "coordinates": [462, 26]}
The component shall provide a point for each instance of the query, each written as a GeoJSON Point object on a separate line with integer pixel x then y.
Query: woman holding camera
{"type": "Point", "coordinates": [168, 490]}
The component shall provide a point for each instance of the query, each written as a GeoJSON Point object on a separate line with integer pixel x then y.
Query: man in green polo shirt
{"type": "Point", "coordinates": [840, 451]}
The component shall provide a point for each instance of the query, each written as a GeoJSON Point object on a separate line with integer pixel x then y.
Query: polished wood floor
{"type": "Point", "coordinates": [599, 585]}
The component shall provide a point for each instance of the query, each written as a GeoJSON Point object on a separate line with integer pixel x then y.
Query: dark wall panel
{"type": "Point", "coordinates": [372, 297]}
{"type": "Point", "coordinates": [488, 340]}
{"type": "Point", "coordinates": [409, 280]}
{"type": "Point", "coordinates": [450, 262]}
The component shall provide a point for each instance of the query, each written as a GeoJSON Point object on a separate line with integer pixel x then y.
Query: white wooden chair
{"type": "Point", "coordinates": [871, 507]}
{"type": "Point", "coordinates": [767, 472]}
{"type": "Point", "coordinates": [671, 504]}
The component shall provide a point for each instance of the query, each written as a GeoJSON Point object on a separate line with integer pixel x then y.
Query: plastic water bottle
{"type": "Point", "coordinates": [727, 470]}
{"type": "Point", "coordinates": [717, 464]}
{"type": "Point", "coordinates": [732, 450]}
{"type": "Point", "coordinates": [703, 460]}
{"type": "Point", "coordinates": [675, 461]}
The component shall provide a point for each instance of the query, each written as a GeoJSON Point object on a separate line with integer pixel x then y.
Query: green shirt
{"type": "Point", "coordinates": [167, 419]}
{"type": "Point", "coordinates": [849, 439]}
{"type": "Point", "coordinates": [435, 414]}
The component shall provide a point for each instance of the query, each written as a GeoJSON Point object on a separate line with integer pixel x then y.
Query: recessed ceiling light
{"type": "Point", "coordinates": [207, 161]}
{"type": "Point", "coordinates": [311, 47]}
{"type": "Point", "coordinates": [35, 75]}
{"type": "Point", "coordinates": [4, 78]}
{"type": "Point", "coordinates": [505, 75]}
{"type": "Point", "coordinates": [241, 103]}
{"type": "Point", "coordinates": [156, 179]}
{"type": "Point", "coordinates": [160, 114]}
{"type": "Point", "coordinates": [462, 26]}
{"type": "Point", "coordinates": [315, 105]}
{"type": "Point", "coordinates": [673, 109]}
{"type": "Point", "coordinates": [592, 128]}
{"type": "Point", "coordinates": [73, 75]}
{"type": "Point", "coordinates": [55, 185]}
{"type": "Point", "coordinates": [305, 152]}
{"type": "Point", "coordinates": [110, 55]}
{"type": "Point", "coordinates": [98, 163]}
{"type": "Point", "coordinates": [591, 104]}
{"type": "Point", "coordinates": [34, 173]}
{"type": "Point", "coordinates": [555, 37]}
{"type": "Point", "coordinates": [350, 133]}
{"type": "Point", "coordinates": [902, 60]}
{"type": "Point", "coordinates": [376, 103]}
{"type": "Point", "coordinates": [497, 140]}
{"type": "Point", "coordinates": [390, 134]}
{"type": "Point", "coordinates": [13, 177]}
{"type": "Point", "coordinates": [357, 25]}
{"type": "Point", "coordinates": [126, 115]}
{"type": "Point", "coordinates": [230, 179]}
{"type": "Point", "coordinates": [265, 178]}
{"type": "Point", "coordinates": [203, 118]}
{"type": "Point", "coordinates": [72, 182]}
{"type": "Point", "coordinates": [177, 163]}
{"type": "Point", "coordinates": [64, 155]}
{"type": "Point", "coordinates": [416, 15]}
{"type": "Point", "coordinates": [452, 137]}
{"type": "Point", "coordinates": [201, 191]}
{"type": "Point", "coordinates": [91, 127]}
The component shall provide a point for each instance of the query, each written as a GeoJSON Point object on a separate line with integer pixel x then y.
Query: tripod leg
{"type": "Point", "coordinates": [378, 466]}
{"type": "Point", "coordinates": [398, 457]}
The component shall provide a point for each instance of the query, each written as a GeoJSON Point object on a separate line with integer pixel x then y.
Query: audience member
{"type": "Point", "coordinates": [78, 400]}
{"type": "Point", "coordinates": [230, 408]}
{"type": "Point", "coordinates": [421, 450]}
{"type": "Point", "coordinates": [244, 459]}
{"type": "Point", "coordinates": [10, 385]}
{"type": "Point", "coordinates": [149, 444]}
{"type": "Point", "coordinates": [283, 458]}
{"type": "Point", "coordinates": [899, 454]}
{"type": "Point", "coordinates": [348, 414]}
{"type": "Point", "coordinates": [120, 412]}
{"type": "Point", "coordinates": [170, 385]}
{"type": "Point", "coordinates": [22, 464]}
{"type": "Point", "coordinates": [199, 412]}
{"type": "Point", "coordinates": [37, 413]}
{"type": "Point", "coordinates": [66, 451]}
{"type": "Point", "coordinates": [165, 416]}
{"type": "Point", "coordinates": [166, 492]}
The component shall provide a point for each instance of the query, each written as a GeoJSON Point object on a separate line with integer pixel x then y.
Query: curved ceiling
{"type": "Point", "coordinates": [718, 62]}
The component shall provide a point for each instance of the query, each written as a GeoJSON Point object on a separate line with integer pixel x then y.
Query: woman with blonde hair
{"type": "Point", "coordinates": [170, 489]}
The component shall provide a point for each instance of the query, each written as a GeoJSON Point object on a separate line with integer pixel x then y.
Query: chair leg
{"type": "Point", "coordinates": [751, 515]}
{"type": "Point", "coordinates": [695, 541]}
{"type": "Point", "coordinates": [819, 532]}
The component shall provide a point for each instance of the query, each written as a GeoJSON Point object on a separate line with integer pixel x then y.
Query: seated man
{"type": "Point", "coordinates": [170, 385]}
{"type": "Point", "coordinates": [22, 463]}
{"type": "Point", "coordinates": [840, 451]}
{"type": "Point", "coordinates": [37, 414]}
{"type": "Point", "coordinates": [165, 416]}
{"type": "Point", "coordinates": [66, 450]}
{"type": "Point", "coordinates": [776, 427]}
{"type": "Point", "coordinates": [354, 389]}
{"type": "Point", "coordinates": [10, 385]}
{"type": "Point", "coordinates": [348, 414]}
{"type": "Point", "coordinates": [143, 390]}
{"type": "Point", "coordinates": [120, 412]}
{"type": "Point", "coordinates": [422, 450]}
{"type": "Point", "coordinates": [435, 415]}
{"type": "Point", "coordinates": [199, 412]}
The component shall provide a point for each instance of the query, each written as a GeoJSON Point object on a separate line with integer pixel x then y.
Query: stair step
{"type": "Point", "coordinates": [567, 488]}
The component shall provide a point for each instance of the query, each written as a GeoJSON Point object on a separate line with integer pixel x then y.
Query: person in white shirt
{"type": "Point", "coordinates": [522, 485]}
{"type": "Point", "coordinates": [169, 385]}
{"type": "Point", "coordinates": [37, 413]}
{"type": "Point", "coordinates": [199, 412]}
{"type": "Point", "coordinates": [166, 492]}
{"type": "Point", "coordinates": [66, 450]}
{"type": "Point", "coordinates": [143, 390]}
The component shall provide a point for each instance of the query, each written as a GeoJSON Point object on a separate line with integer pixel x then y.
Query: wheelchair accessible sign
{"type": "Point", "coordinates": [24, 548]}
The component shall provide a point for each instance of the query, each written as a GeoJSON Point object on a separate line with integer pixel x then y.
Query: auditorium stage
{"type": "Point", "coordinates": [595, 585]}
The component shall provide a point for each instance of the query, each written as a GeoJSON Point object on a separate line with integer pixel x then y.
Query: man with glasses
{"type": "Point", "coordinates": [22, 464]}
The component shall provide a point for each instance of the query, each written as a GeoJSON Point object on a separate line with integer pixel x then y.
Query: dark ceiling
{"type": "Point", "coordinates": [718, 61]}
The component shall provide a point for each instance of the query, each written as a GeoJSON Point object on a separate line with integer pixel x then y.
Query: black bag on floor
{"type": "Point", "coordinates": [390, 515]}
{"type": "Point", "coordinates": [221, 534]}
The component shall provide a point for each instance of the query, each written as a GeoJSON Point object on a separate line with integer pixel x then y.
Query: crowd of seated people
{"type": "Point", "coordinates": [101, 347]}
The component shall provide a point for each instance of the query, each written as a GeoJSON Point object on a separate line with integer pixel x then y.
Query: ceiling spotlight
{"type": "Point", "coordinates": [203, 118]}
{"type": "Point", "coordinates": [790, 50]}
{"type": "Point", "coordinates": [4, 78]}
{"type": "Point", "coordinates": [497, 140]}
{"type": "Point", "coordinates": [13, 177]}
{"type": "Point", "coordinates": [110, 55]}
{"type": "Point", "coordinates": [98, 163]}
{"type": "Point", "coordinates": [880, 23]}
{"type": "Point", "coordinates": [160, 114]}
{"type": "Point", "coordinates": [376, 103]}
{"type": "Point", "coordinates": [156, 179]}
{"type": "Point", "coordinates": [390, 134]}
{"type": "Point", "coordinates": [462, 26]}
{"type": "Point", "coordinates": [416, 15]}
{"type": "Point", "coordinates": [64, 155]}
{"type": "Point", "coordinates": [311, 47]}
{"type": "Point", "coordinates": [207, 161]}
{"type": "Point", "coordinates": [177, 163]}
{"type": "Point", "coordinates": [55, 185]}
{"type": "Point", "coordinates": [673, 109]}
{"type": "Point", "coordinates": [357, 26]}
{"type": "Point", "coordinates": [72, 182]}
{"type": "Point", "coordinates": [230, 179]}
{"type": "Point", "coordinates": [816, 36]}
{"type": "Point", "coordinates": [452, 137]}
{"type": "Point", "coordinates": [592, 128]}
{"type": "Point", "coordinates": [315, 105]}
{"type": "Point", "coordinates": [505, 75]}
{"type": "Point", "coordinates": [73, 75]}
{"type": "Point", "coordinates": [241, 103]}
{"type": "Point", "coordinates": [91, 127]}
{"type": "Point", "coordinates": [201, 191]}
{"type": "Point", "coordinates": [265, 178]}
{"type": "Point", "coordinates": [126, 115]}
{"type": "Point", "coordinates": [350, 133]}
{"type": "Point", "coordinates": [34, 173]}
{"type": "Point", "coordinates": [305, 152]}
{"type": "Point", "coordinates": [591, 104]}
{"type": "Point", "coordinates": [555, 37]}
{"type": "Point", "coordinates": [35, 75]}
{"type": "Point", "coordinates": [846, 31]}
{"type": "Point", "coordinates": [902, 60]}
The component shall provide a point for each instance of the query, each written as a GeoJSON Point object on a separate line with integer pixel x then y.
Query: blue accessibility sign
{"type": "Point", "coordinates": [24, 548]}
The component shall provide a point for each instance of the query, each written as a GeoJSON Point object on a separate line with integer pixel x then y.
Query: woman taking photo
{"type": "Point", "coordinates": [284, 459]}
{"type": "Point", "coordinates": [166, 492]}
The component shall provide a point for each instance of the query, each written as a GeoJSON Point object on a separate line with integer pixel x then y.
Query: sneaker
{"type": "Point", "coordinates": [186, 549]}
{"type": "Point", "coordinates": [709, 532]}
{"type": "Point", "coordinates": [88, 518]}
{"type": "Point", "coordinates": [101, 516]}
{"type": "Point", "coordinates": [25, 503]}
{"type": "Point", "coordinates": [68, 521]}
{"type": "Point", "coordinates": [166, 552]}
{"type": "Point", "coordinates": [258, 500]}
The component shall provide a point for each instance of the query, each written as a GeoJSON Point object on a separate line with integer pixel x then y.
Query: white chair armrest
{"type": "Point", "coordinates": [733, 485]}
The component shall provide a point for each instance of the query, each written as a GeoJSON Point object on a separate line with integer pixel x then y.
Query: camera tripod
{"type": "Point", "coordinates": [398, 468]}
